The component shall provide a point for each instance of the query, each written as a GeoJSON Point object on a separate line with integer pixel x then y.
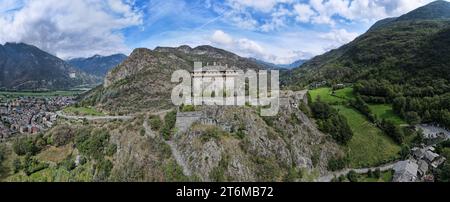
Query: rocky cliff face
{"type": "Point", "coordinates": [236, 144]}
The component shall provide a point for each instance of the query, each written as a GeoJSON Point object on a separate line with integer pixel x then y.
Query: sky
{"type": "Point", "coordinates": [277, 31]}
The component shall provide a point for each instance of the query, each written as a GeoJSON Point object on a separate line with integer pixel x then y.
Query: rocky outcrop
{"type": "Point", "coordinates": [256, 148]}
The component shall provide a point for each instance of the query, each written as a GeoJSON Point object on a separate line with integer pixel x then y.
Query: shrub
{"type": "Point", "coordinates": [68, 164]}
{"type": "Point", "coordinates": [32, 165]}
{"type": "Point", "coordinates": [337, 163]}
{"type": "Point", "coordinates": [92, 145]}
{"type": "Point", "coordinates": [103, 168]}
{"type": "Point", "coordinates": [25, 145]}
{"type": "Point", "coordinates": [405, 151]}
{"type": "Point", "coordinates": [377, 173]}
{"type": "Point", "coordinates": [293, 175]}
{"type": "Point", "coordinates": [187, 108]}
{"type": "Point", "coordinates": [305, 109]}
{"type": "Point", "coordinates": [393, 131]}
{"type": "Point", "coordinates": [169, 124]}
{"type": "Point", "coordinates": [174, 173]}
{"type": "Point", "coordinates": [155, 123]}
{"type": "Point", "coordinates": [111, 149]}
{"type": "Point", "coordinates": [412, 118]}
{"type": "Point", "coordinates": [331, 122]}
{"type": "Point", "coordinates": [352, 176]}
{"type": "Point", "coordinates": [2, 154]}
{"type": "Point", "coordinates": [211, 133]}
{"type": "Point", "coordinates": [62, 136]}
{"type": "Point", "coordinates": [17, 165]}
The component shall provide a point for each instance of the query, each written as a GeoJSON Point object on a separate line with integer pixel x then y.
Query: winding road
{"type": "Point", "coordinates": [93, 118]}
{"type": "Point", "coordinates": [331, 176]}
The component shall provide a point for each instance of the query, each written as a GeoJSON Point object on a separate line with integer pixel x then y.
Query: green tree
{"type": "Point", "coordinates": [169, 124]}
{"type": "Point", "coordinates": [444, 173]}
{"type": "Point", "coordinates": [405, 151]}
{"type": "Point", "coordinates": [25, 145]}
{"type": "Point", "coordinates": [412, 118]}
{"type": "Point", "coordinates": [352, 176]}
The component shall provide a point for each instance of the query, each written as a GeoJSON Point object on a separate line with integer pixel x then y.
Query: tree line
{"type": "Point", "coordinates": [427, 104]}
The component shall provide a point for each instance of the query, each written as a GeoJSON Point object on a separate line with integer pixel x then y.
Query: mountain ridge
{"type": "Point", "coordinates": [390, 44]}
{"type": "Point", "coordinates": [26, 67]}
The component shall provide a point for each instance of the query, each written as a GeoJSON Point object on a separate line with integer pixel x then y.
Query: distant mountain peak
{"type": "Point", "coordinates": [98, 65]}
{"type": "Point", "coordinates": [433, 11]}
{"type": "Point", "coordinates": [437, 10]}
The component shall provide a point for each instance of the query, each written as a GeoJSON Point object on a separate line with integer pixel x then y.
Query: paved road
{"type": "Point", "coordinates": [93, 118]}
{"type": "Point", "coordinates": [328, 178]}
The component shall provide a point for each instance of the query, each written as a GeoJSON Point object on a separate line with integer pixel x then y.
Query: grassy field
{"type": "Point", "coordinates": [384, 111]}
{"type": "Point", "coordinates": [326, 95]}
{"type": "Point", "coordinates": [55, 154]}
{"type": "Point", "coordinates": [82, 111]}
{"type": "Point", "coordinates": [346, 93]}
{"type": "Point", "coordinates": [369, 145]}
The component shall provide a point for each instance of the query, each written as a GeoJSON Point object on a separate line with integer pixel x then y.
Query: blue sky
{"type": "Point", "coordinates": [278, 31]}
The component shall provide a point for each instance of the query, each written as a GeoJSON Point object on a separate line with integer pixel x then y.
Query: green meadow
{"type": "Point", "coordinates": [326, 95]}
{"type": "Point", "coordinates": [82, 111]}
{"type": "Point", "coordinates": [369, 145]}
{"type": "Point", "coordinates": [385, 111]}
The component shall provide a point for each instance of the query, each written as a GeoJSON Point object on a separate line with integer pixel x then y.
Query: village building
{"type": "Point", "coordinates": [29, 114]}
{"type": "Point", "coordinates": [405, 171]}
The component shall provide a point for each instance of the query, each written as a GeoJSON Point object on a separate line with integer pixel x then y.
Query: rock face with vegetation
{"type": "Point", "coordinates": [240, 145]}
{"type": "Point", "coordinates": [25, 67]}
{"type": "Point", "coordinates": [143, 81]}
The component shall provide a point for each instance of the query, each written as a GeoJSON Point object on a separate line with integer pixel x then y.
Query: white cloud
{"type": "Point", "coordinates": [260, 5]}
{"type": "Point", "coordinates": [324, 11]}
{"type": "Point", "coordinates": [338, 37]}
{"type": "Point", "coordinates": [250, 48]}
{"type": "Point", "coordinates": [279, 17]}
{"type": "Point", "coordinates": [70, 28]}
{"type": "Point", "coordinates": [221, 37]}
{"type": "Point", "coordinates": [304, 12]}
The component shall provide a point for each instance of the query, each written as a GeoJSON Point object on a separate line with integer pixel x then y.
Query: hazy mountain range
{"type": "Point", "coordinates": [97, 65]}
{"type": "Point", "coordinates": [269, 65]}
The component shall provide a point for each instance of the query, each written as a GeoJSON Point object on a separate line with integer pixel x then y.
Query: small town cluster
{"type": "Point", "coordinates": [424, 159]}
{"type": "Point", "coordinates": [29, 114]}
